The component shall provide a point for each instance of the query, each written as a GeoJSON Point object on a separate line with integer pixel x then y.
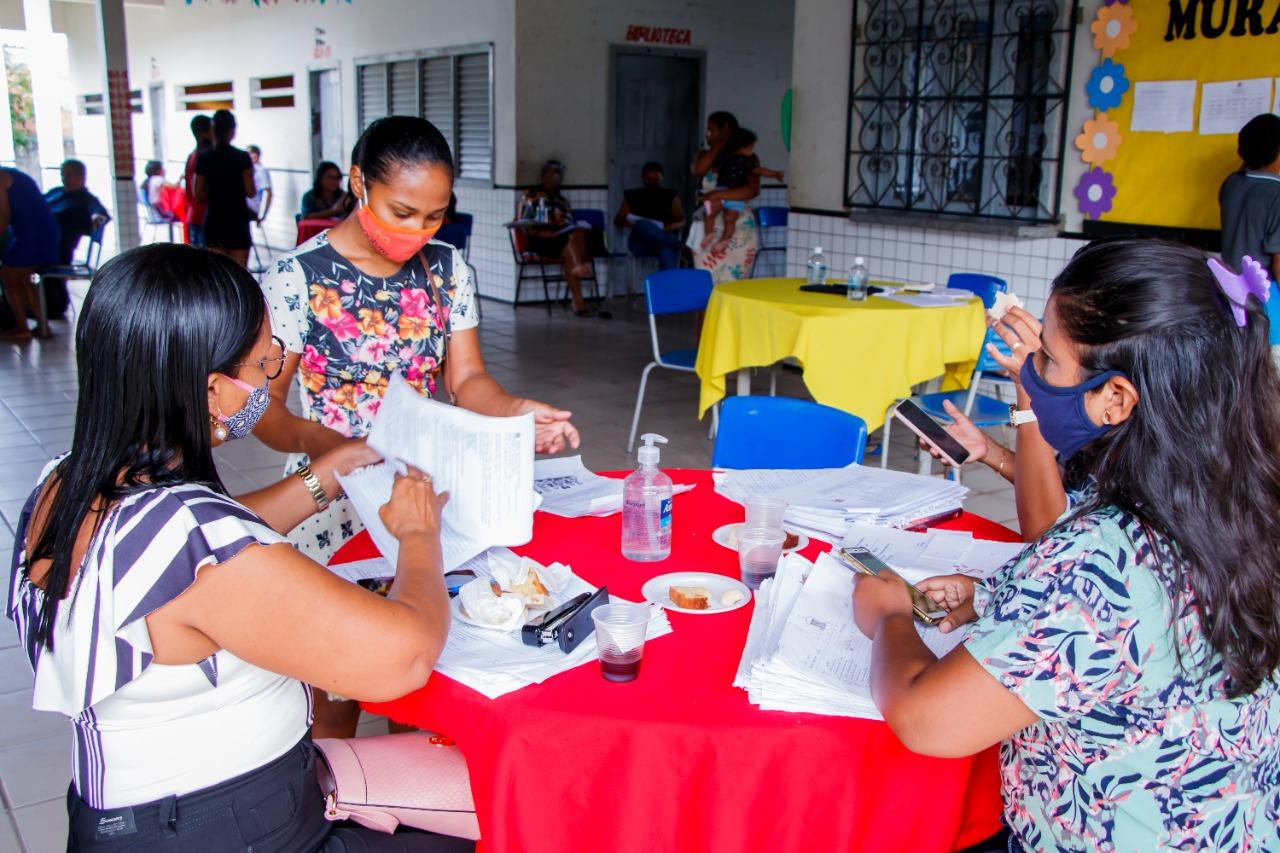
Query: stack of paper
{"type": "Point", "coordinates": [495, 663]}
{"type": "Point", "coordinates": [486, 465]}
{"type": "Point", "coordinates": [935, 552]}
{"type": "Point", "coordinates": [944, 298]}
{"type": "Point", "coordinates": [570, 490]}
{"type": "Point", "coordinates": [823, 502]}
{"type": "Point", "coordinates": [805, 653]}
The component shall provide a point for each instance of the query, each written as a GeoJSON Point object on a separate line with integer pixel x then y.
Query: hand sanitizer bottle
{"type": "Point", "coordinates": [646, 506]}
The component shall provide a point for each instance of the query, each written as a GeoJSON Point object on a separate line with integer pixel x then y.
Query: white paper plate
{"type": "Point", "coordinates": [727, 536]}
{"type": "Point", "coordinates": [455, 604]}
{"type": "Point", "coordinates": [655, 590]}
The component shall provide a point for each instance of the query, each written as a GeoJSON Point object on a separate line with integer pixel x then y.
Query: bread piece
{"type": "Point", "coordinates": [690, 597]}
{"type": "Point", "coordinates": [1004, 301]}
{"type": "Point", "coordinates": [730, 597]}
{"type": "Point", "coordinates": [531, 591]}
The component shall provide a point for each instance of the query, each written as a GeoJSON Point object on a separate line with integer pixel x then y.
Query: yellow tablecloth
{"type": "Point", "coordinates": [857, 356]}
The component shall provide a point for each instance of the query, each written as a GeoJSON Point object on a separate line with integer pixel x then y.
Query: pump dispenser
{"type": "Point", "coordinates": [646, 505]}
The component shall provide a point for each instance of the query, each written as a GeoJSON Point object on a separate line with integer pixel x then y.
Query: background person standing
{"type": "Point", "coordinates": [224, 180]}
{"type": "Point", "coordinates": [202, 130]}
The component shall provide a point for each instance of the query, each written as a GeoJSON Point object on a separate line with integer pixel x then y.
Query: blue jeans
{"type": "Point", "coordinates": [649, 241]}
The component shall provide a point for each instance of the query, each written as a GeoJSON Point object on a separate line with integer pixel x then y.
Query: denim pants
{"type": "Point", "coordinates": [649, 241]}
{"type": "Point", "coordinates": [276, 808]}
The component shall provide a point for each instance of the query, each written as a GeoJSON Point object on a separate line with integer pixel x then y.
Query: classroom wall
{"type": "Point", "coordinates": [562, 84]}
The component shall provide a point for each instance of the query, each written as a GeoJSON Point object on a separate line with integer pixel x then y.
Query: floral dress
{"type": "Point", "coordinates": [736, 260]}
{"type": "Point", "coordinates": [1138, 746]}
{"type": "Point", "coordinates": [354, 331]}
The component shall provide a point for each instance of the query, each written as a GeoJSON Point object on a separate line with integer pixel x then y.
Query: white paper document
{"type": "Point", "coordinates": [1164, 106]}
{"type": "Point", "coordinates": [632, 219]}
{"type": "Point", "coordinates": [1225, 107]}
{"type": "Point", "coordinates": [940, 299]}
{"type": "Point", "coordinates": [805, 653]}
{"type": "Point", "coordinates": [570, 490]}
{"type": "Point", "coordinates": [917, 556]}
{"type": "Point", "coordinates": [486, 465]}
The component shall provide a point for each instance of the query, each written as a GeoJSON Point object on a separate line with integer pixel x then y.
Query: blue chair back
{"type": "Point", "coordinates": [677, 291]}
{"type": "Point", "coordinates": [458, 232]}
{"type": "Point", "coordinates": [593, 215]}
{"type": "Point", "coordinates": [771, 217]}
{"type": "Point", "coordinates": [779, 432]}
{"type": "Point", "coordinates": [985, 287]}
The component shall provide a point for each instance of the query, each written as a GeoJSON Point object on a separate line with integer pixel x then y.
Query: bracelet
{"type": "Point", "coordinates": [1004, 457]}
{"type": "Point", "coordinates": [312, 483]}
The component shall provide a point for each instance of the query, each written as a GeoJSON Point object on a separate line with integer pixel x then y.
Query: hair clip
{"type": "Point", "coordinates": [1251, 280]}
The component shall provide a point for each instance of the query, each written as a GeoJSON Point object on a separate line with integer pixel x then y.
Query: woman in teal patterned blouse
{"type": "Point", "coordinates": [1126, 661]}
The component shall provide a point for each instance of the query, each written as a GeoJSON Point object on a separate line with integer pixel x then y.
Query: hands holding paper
{"type": "Point", "coordinates": [414, 508]}
{"type": "Point", "coordinates": [552, 431]}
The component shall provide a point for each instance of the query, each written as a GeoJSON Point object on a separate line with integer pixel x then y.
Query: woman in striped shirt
{"type": "Point", "coordinates": [175, 626]}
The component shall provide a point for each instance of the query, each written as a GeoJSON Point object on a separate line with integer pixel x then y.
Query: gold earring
{"type": "Point", "coordinates": [1106, 417]}
{"type": "Point", "coordinates": [219, 430]}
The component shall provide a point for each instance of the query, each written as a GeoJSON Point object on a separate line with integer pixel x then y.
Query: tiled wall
{"type": "Point", "coordinates": [491, 247]}
{"type": "Point", "coordinates": [903, 253]}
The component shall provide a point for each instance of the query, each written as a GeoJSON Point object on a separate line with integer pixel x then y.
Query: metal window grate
{"type": "Point", "coordinates": [959, 107]}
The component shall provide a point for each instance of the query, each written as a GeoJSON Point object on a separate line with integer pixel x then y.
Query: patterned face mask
{"type": "Point", "coordinates": [241, 422]}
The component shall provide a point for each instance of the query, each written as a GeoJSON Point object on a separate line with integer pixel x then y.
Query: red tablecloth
{"type": "Point", "coordinates": [308, 228]}
{"type": "Point", "coordinates": [679, 760]}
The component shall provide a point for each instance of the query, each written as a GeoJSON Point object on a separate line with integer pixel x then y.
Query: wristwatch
{"type": "Point", "coordinates": [1018, 417]}
{"type": "Point", "coordinates": [313, 486]}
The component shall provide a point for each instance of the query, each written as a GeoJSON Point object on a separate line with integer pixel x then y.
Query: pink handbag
{"type": "Point", "coordinates": [416, 779]}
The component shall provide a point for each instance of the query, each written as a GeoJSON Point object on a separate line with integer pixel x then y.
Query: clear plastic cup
{"type": "Point", "coordinates": [765, 512]}
{"type": "Point", "coordinates": [759, 549]}
{"type": "Point", "coordinates": [620, 632]}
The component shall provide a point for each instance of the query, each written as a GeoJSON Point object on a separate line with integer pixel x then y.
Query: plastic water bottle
{"type": "Point", "coordinates": [646, 506]}
{"type": "Point", "coordinates": [541, 215]}
{"type": "Point", "coordinates": [817, 267]}
{"type": "Point", "coordinates": [858, 276]}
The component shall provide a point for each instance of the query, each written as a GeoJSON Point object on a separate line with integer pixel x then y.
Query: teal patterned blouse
{"type": "Point", "coordinates": [1133, 751]}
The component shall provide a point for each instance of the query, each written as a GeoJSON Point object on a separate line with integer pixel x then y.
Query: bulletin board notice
{"type": "Point", "coordinates": [1171, 162]}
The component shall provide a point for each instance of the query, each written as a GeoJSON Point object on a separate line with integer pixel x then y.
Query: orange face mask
{"type": "Point", "coordinates": [396, 244]}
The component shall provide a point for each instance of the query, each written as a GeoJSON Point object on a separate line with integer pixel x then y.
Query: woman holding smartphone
{"type": "Point", "coordinates": [1127, 660]}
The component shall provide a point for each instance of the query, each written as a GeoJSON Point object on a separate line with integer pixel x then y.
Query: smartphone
{"type": "Point", "coordinates": [931, 431]}
{"type": "Point", "coordinates": [862, 560]}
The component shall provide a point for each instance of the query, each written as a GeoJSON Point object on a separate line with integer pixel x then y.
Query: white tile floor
{"type": "Point", "coordinates": [589, 366]}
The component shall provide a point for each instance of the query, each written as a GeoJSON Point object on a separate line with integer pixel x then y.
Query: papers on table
{"type": "Point", "coordinates": [936, 552]}
{"type": "Point", "coordinates": [944, 298]}
{"type": "Point", "coordinates": [805, 653]}
{"type": "Point", "coordinates": [570, 490]}
{"type": "Point", "coordinates": [1164, 106]}
{"type": "Point", "coordinates": [496, 663]}
{"type": "Point", "coordinates": [632, 219]}
{"type": "Point", "coordinates": [486, 464]}
{"type": "Point", "coordinates": [1226, 106]}
{"type": "Point", "coordinates": [823, 502]}
{"type": "Point", "coordinates": [364, 570]}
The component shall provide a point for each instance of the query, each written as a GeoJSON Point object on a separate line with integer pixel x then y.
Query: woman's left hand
{"type": "Point", "coordinates": [876, 598]}
{"type": "Point", "coordinates": [552, 430]}
{"type": "Point", "coordinates": [351, 454]}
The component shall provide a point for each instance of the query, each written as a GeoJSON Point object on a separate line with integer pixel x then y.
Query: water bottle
{"type": "Point", "coordinates": [542, 209]}
{"type": "Point", "coordinates": [858, 276]}
{"type": "Point", "coordinates": [817, 267]}
{"type": "Point", "coordinates": [646, 506]}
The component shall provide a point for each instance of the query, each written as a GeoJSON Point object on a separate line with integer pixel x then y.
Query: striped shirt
{"type": "Point", "coordinates": [142, 730]}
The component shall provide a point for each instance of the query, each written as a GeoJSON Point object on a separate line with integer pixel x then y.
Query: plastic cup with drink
{"type": "Point", "coordinates": [620, 633]}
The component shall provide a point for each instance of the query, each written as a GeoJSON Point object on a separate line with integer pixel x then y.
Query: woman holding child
{"type": "Point", "coordinates": [731, 259]}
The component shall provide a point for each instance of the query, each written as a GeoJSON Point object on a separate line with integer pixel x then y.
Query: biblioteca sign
{"type": "Point", "coordinates": [658, 35]}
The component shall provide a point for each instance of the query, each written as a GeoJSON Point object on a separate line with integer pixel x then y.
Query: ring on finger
{"type": "Point", "coordinates": [426, 478]}
{"type": "Point", "coordinates": [1016, 344]}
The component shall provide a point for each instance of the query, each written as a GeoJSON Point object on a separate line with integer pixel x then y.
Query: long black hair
{"type": "Point", "coordinates": [395, 142]}
{"type": "Point", "coordinates": [157, 321]}
{"type": "Point", "coordinates": [325, 165]}
{"type": "Point", "coordinates": [1197, 461]}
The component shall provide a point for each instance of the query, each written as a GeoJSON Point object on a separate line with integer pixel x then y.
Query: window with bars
{"type": "Point", "coordinates": [959, 106]}
{"type": "Point", "coordinates": [452, 89]}
{"type": "Point", "coordinates": [92, 104]}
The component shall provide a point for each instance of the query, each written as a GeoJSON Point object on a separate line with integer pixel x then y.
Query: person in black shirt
{"type": "Point", "coordinates": [655, 216]}
{"type": "Point", "coordinates": [79, 214]}
{"type": "Point", "coordinates": [224, 179]}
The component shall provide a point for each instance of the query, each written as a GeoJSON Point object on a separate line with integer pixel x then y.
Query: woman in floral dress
{"type": "Point", "coordinates": [1126, 661]}
{"type": "Point", "coordinates": [735, 260]}
{"type": "Point", "coordinates": [372, 297]}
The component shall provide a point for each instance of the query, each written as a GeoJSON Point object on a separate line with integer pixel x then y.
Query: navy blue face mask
{"type": "Point", "coordinates": [1060, 412]}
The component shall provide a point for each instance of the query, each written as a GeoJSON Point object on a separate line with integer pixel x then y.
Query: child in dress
{"type": "Point", "coordinates": [733, 170]}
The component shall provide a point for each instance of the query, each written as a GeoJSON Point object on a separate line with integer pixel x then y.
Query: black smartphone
{"type": "Point", "coordinates": [931, 431]}
{"type": "Point", "coordinates": [862, 560]}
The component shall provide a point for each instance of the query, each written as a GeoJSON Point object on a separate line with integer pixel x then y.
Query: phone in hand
{"type": "Point", "coordinates": [862, 560]}
{"type": "Point", "coordinates": [931, 432]}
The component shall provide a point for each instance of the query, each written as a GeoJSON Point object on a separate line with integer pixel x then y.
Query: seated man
{"type": "Point", "coordinates": [655, 216]}
{"type": "Point", "coordinates": [79, 214]}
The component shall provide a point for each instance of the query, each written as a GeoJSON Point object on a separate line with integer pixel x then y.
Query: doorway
{"type": "Point", "coordinates": [155, 101]}
{"type": "Point", "coordinates": [326, 118]}
{"type": "Point", "coordinates": [656, 106]}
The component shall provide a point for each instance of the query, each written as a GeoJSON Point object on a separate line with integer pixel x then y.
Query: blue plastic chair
{"type": "Point", "coordinates": [670, 292]}
{"type": "Point", "coordinates": [983, 410]}
{"type": "Point", "coordinates": [769, 218]}
{"type": "Point", "coordinates": [780, 432]}
{"type": "Point", "coordinates": [458, 234]}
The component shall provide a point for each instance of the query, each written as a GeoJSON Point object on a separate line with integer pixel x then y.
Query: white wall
{"type": "Point", "coordinates": [562, 82]}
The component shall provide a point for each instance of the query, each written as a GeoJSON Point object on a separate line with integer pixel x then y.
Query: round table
{"type": "Point", "coordinates": [857, 356]}
{"type": "Point", "coordinates": [308, 228]}
{"type": "Point", "coordinates": [679, 759]}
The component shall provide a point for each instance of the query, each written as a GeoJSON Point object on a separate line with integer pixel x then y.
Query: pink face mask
{"type": "Point", "coordinates": [396, 244]}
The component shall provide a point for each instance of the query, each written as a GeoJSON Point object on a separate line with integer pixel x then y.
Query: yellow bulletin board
{"type": "Point", "coordinates": [1156, 178]}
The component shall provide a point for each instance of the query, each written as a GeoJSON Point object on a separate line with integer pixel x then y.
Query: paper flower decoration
{"type": "Point", "coordinates": [1107, 85]}
{"type": "Point", "coordinates": [1099, 141]}
{"type": "Point", "coordinates": [1095, 192]}
{"type": "Point", "coordinates": [1112, 28]}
